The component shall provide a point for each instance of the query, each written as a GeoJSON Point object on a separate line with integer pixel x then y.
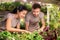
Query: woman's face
{"type": "Point", "coordinates": [22, 14]}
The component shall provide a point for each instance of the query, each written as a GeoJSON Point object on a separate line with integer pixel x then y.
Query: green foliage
{"type": "Point", "coordinates": [58, 38]}
{"type": "Point", "coordinates": [2, 7]}
{"type": "Point", "coordinates": [10, 6]}
{"type": "Point", "coordinates": [14, 5]}
{"type": "Point", "coordinates": [44, 9]}
{"type": "Point", "coordinates": [29, 6]}
{"type": "Point", "coordinates": [22, 23]}
{"type": "Point", "coordinates": [5, 35]}
{"type": "Point", "coordinates": [54, 16]}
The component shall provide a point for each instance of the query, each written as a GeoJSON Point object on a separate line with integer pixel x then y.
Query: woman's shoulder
{"type": "Point", "coordinates": [10, 15]}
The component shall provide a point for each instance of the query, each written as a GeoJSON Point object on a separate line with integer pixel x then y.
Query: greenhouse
{"type": "Point", "coordinates": [29, 19]}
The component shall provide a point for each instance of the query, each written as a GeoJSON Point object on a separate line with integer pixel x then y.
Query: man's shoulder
{"type": "Point", "coordinates": [41, 15]}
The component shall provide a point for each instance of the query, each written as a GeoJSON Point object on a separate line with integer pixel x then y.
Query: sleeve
{"type": "Point", "coordinates": [6, 16]}
{"type": "Point", "coordinates": [41, 15]}
{"type": "Point", "coordinates": [9, 15]}
{"type": "Point", "coordinates": [19, 21]}
{"type": "Point", "coordinates": [27, 18]}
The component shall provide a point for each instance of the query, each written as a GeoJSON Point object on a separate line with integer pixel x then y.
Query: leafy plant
{"type": "Point", "coordinates": [14, 5]}
{"type": "Point", "coordinates": [29, 6]}
{"type": "Point", "coordinates": [54, 16]}
{"type": "Point", "coordinates": [9, 6]}
{"type": "Point", "coordinates": [44, 9]}
{"type": "Point", "coordinates": [58, 38]}
{"type": "Point", "coordinates": [2, 7]}
{"type": "Point", "coordinates": [5, 35]}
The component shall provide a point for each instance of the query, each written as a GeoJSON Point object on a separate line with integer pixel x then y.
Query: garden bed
{"type": "Point", "coordinates": [5, 35]}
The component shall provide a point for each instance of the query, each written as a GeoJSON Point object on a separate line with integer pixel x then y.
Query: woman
{"type": "Point", "coordinates": [12, 23]}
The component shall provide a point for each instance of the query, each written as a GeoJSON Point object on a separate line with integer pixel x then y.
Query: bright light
{"type": "Point", "coordinates": [49, 5]}
{"type": "Point", "coordinates": [31, 2]}
{"type": "Point", "coordinates": [39, 2]}
{"type": "Point", "coordinates": [25, 0]}
{"type": "Point", "coordinates": [13, 0]}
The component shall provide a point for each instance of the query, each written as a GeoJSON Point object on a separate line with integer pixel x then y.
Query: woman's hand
{"type": "Point", "coordinates": [27, 31]}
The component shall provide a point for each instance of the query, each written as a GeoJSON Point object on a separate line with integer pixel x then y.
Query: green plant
{"type": "Point", "coordinates": [5, 35]}
{"type": "Point", "coordinates": [14, 5]}
{"type": "Point", "coordinates": [22, 23]}
{"type": "Point", "coordinates": [44, 9]}
{"type": "Point", "coordinates": [6, 5]}
{"type": "Point", "coordinates": [29, 6]}
{"type": "Point", "coordinates": [54, 19]}
{"type": "Point", "coordinates": [58, 38]}
{"type": "Point", "coordinates": [2, 7]}
{"type": "Point", "coordinates": [54, 16]}
{"type": "Point", "coordinates": [9, 6]}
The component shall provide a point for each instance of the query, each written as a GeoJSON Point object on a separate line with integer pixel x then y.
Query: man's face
{"type": "Point", "coordinates": [36, 11]}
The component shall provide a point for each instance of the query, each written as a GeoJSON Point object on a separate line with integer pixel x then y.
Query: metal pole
{"type": "Point", "coordinates": [48, 16]}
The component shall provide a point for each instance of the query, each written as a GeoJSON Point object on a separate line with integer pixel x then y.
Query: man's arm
{"type": "Point", "coordinates": [27, 18]}
{"type": "Point", "coordinates": [42, 21]}
{"type": "Point", "coordinates": [43, 24]}
{"type": "Point", "coordinates": [27, 24]}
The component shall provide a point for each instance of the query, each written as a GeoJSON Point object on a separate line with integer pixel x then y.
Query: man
{"type": "Point", "coordinates": [34, 17]}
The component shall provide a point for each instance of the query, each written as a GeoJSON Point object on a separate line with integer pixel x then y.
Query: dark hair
{"type": "Point", "coordinates": [19, 8]}
{"type": "Point", "coordinates": [36, 5]}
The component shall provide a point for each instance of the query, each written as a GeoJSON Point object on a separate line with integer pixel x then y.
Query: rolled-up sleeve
{"type": "Point", "coordinates": [41, 15]}
{"type": "Point", "coordinates": [27, 18]}
{"type": "Point", "coordinates": [9, 15]}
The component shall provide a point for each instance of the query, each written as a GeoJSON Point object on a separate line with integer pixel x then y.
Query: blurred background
{"type": "Point", "coordinates": [51, 9]}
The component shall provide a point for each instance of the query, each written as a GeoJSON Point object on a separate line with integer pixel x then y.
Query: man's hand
{"type": "Point", "coordinates": [40, 30]}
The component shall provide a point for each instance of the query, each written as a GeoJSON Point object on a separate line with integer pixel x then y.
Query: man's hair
{"type": "Point", "coordinates": [36, 5]}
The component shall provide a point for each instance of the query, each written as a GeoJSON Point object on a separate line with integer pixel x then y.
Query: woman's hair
{"type": "Point", "coordinates": [36, 5]}
{"type": "Point", "coordinates": [19, 8]}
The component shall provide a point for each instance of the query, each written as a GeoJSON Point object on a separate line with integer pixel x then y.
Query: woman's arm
{"type": "Point", "coordinates": [18, 26]}
{"type": "Point", "coordinates": [11, 29]}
